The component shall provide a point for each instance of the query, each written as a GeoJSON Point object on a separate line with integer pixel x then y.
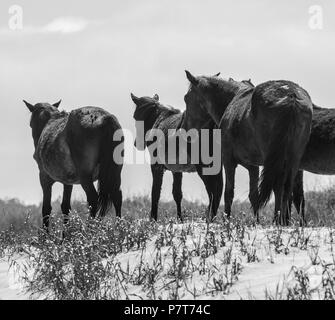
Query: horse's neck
{"type": "Point", "coordinates": [219, 109]}
{"type": "Point", "coordinates": [237, 107]}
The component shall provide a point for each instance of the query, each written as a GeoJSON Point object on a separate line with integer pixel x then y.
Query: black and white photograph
{"type": "Point", "coordinates": [180, 152]}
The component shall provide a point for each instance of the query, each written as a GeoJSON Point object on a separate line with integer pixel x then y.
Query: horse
{"type": "Point", "coordinates": [77, 148]}
{"type": "Point", "coordinates": [319, 155]}
{"type": "Point", "coordinates": [155, 115]}
{"type": "Point", "coordinates": [197, 120]}
{"type": "Point", "coordinates": [267, 125]}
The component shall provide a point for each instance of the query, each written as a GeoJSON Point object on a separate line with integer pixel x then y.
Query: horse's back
{"type": "Point", "coordinates": [278, 104]}
{"type": "Point", "coordinates": [91, 119]}
{"type": "Point", "coordinates": [87, 130]}
{"type": "Point", "coordinates": [168, 122]}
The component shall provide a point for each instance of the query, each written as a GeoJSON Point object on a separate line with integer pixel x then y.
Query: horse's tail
{"type": "Point", "coordinates": [280, 159]}
{"type": "Point", "coordinates": [110, 166]}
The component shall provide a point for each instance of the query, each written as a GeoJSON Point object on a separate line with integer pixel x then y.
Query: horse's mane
{"type": "Point", "coordinates": [231, 84]}
{"type": "Point", "coordinates": [60, 114]}
{"type": "Point", "coordinates": [54, 114]}
{"type": "Point", "coordinates": [154, 108]}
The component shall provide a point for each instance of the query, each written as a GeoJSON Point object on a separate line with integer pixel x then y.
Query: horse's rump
{"type": "Point", "coordinates": [91, 138]}
{"type": "Point", "coordinates": [280, 94]}
{"type": "Point", "coordinates": [282, 113]}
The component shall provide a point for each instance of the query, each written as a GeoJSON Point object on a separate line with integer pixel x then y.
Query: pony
{"type": "Point", "coordinates": [319, 155]}
{"type": "Point", "coordinates": [155, 115]}
{"type": "Point", "coordinates": [268, 125]}
{"type": "Point", "coordinates": [77, 148]}
{"type": "Point", "coordinates": [198, 120]}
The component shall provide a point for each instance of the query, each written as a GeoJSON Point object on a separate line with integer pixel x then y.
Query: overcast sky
{"type": "Point", "coordinates": [97, 52]}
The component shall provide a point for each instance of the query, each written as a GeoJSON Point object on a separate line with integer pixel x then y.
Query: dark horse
{"type": "Point", "coordinates": [267, 125]}
{"type": "Point", "coordinates": [154, 115]}
{"type": "Point", "coordinates": [319, 155]}
{"type": "Point", "coordinates": [197, 120]}
{"type": "Point", "coordinates": [77, 148]}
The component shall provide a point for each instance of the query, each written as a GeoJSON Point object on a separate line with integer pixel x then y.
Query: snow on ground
{"type": "Point", "coordinates": [187, 262]}
{"type": "Point", "coordinates": [10, 286]}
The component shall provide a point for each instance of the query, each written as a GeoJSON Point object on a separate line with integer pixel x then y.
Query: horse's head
{"type": "Point", "coordinates": [207, 97]}
{"type": "Point", "coordinates": [195, 115]}
{"type": "Point", "coordinates": [41, 113]}
{"type": "Point", "coordinates": [146, 109]}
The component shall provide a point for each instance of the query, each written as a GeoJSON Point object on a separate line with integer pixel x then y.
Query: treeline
{"type": "Point", "coordinates": [320, 210]}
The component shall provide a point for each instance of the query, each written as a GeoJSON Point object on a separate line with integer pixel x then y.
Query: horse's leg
{"type": "Point", "coordinates": [293, 185]}
{"type": "Point", "coordinates": [117, 194]}
{"type": "Point", "coordinates": [177, 192]}
{"type": "Point", "coordinates": [117, 202]}
{"type": "Point", "coordinates": [287, 194]}
{"type": "Point", "coordinates": [86, 182]}
{"type": "Point", "coordinates": [230, 168]}
{"type": "Point", "coordinates": [253, 188]}
{"type": "Point", "coordinates": [298, 196]}
{"type": "Point", "coordinates": [157, 179]}
{"type": "Point", "coordinates": [209, 189]}
{"type": "Point", "coordinates": [46, 184]}
{"type": "Point", "coordinates": [278, 192]}
{"type": "Point", "coordinates": [214, 187]}
{"type": "Point", "coordinates": [218, 183]}
{"type": "Point", "coordinates": [66, 202]}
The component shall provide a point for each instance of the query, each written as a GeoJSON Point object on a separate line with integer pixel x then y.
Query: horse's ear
{"type": "Point", "coordinates": [251, 82]}
{"type": "Point", "coordinates": [231, 80]}
{"type": "Point", "coordinates": [57, 103]}
{"type": "Point", "coordinates": [134, 98]}
{"type": "Point", "coordinates": [29, 106]}
{"type": "Point", "coordinates": [156, 97]}
{"type": "Point", "coordinates": [216, 75]}
{"type": "Point", "coordinates": [191, 78]}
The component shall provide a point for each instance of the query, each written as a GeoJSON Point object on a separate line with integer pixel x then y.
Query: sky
{"type": "Point", "coordinates": [97, 52]}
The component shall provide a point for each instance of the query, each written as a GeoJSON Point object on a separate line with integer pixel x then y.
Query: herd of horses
{"type": "Point", "coordinates": [274, 125]}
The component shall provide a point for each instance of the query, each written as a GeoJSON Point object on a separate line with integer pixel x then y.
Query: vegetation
{"type": "Point", "coordinates": [134, 258]}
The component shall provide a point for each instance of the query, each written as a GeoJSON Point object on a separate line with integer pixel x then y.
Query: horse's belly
{"type": "Point", "coordinates": [176, 161]}
{"type": "Point", "coordinates": [62, 171]}
{"type": "Point", "coordinates": [180, 167]}
{"type": "Point", "coordinates": [246, 153]}
{"type": "Point", "coordinates": [321, 165]}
